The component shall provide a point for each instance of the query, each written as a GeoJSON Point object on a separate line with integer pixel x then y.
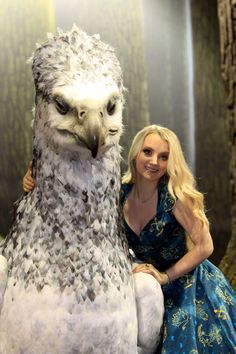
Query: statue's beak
{"type": "Point", "coordinates": [93, 136]}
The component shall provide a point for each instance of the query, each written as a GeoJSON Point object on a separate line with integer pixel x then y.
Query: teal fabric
{"type": "Point", "coordinates": [200, 307]}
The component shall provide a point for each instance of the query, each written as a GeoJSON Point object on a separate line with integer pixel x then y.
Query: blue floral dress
{"type": "Point", "coordinates": [200, 307]}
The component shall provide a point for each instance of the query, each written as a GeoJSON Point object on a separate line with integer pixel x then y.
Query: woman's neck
{"type": "Point", "coordinates": [144, 191]}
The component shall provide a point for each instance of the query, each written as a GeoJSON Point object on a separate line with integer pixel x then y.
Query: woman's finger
{"type": "Point", "coordinates": [30, 168]}
{"type": "Point", "coordinates": [26, 189]}
{"type": "Point", "coordinates": [29, 180]}
{"type": "Point", "coordinates": [143, 266]}
{"type": "Point", "coordinates": [28, 185]}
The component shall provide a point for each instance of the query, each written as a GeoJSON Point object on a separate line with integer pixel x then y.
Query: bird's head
{"type": "Point", "coordinates": [86, 116]}
{"type": "Point", "coordinates": [79, 92]}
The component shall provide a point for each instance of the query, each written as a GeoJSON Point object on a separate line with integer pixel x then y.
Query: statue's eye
{"type": "Point", "coordinates": [111, 106]}
{"type": "Point", "coordinates": [61, 106]}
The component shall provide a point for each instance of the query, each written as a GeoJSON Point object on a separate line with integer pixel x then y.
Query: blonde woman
{"type": "Point", "coordinates": [162, 212]}
{"type": "Point", "coordinates": [168, 233]}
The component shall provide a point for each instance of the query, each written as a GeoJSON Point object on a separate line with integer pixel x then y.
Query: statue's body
{"type": "Point", "coordinates": [70, 287]}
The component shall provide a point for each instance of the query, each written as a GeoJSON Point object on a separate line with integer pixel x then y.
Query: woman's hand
{"type": "Point", "coordinates": [28, 181]}
{"type": "Point", "coordinates": [162, 278]}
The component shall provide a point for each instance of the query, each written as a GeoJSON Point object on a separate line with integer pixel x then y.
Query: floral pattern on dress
{"type": "Point", "coordinates": [200, 312]}
{"type": "Point", "coordinates": [157, 226]}
{"type": "Point", "coordinates": [180, 319]}
{"type": "Point", "coordinates": [213, 336]}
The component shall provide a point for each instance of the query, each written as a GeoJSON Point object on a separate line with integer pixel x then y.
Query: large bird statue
{"type": "Point", "coordinates": [69, 288]}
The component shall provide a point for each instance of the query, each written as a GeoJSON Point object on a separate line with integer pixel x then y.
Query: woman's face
{"type": "Point", "coordinates": [151, 161]}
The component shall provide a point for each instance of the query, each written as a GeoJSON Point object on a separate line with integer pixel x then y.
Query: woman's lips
{"type": "Point", "coordinates": [152, 169]}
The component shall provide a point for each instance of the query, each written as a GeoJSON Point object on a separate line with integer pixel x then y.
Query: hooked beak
{"type": "Point", "coordinates": [93, 136]}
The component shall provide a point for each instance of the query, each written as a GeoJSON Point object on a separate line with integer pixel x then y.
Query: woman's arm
{"type": "Point", "coordinates": [202, 247]}
{"type": "Point", "coordinates": [28, 181]}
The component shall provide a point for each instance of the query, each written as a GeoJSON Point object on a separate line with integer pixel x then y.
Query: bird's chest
{"type": "Point", "coordinates": [75, 242]}
{"type": "Point", "coordinates": [50, 321]}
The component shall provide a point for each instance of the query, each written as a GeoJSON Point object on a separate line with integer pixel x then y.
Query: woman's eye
{"type": "Point", "coordinates": [147, 152]}
{"type": "Point", "coordinates": [164, 158]}
{"type": "Point", "coordinates": [61, 106]}
{"type": "Point", "coordinates": [111, 106]}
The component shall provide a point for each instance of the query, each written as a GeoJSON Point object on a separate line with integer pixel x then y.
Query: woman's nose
{"type": "Point", "coordinates": [154, 160]}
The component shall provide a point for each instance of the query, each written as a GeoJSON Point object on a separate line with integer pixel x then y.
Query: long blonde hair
{"type": "Point", "coordinates": [181, 182]}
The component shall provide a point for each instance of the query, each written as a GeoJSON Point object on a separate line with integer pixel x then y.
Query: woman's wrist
{"type": "Point", "coordinates": [168, 280]}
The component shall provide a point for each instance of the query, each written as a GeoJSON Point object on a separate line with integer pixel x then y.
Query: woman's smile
{"type": "Point", "coordinates": [152, 169]}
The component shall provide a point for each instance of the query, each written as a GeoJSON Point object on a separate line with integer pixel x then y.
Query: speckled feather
{"type": "Point", "coordinates": [66, 56]}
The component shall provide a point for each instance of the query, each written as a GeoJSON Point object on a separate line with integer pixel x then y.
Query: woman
{"type": "Point", "coordinates": [168, 232]}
